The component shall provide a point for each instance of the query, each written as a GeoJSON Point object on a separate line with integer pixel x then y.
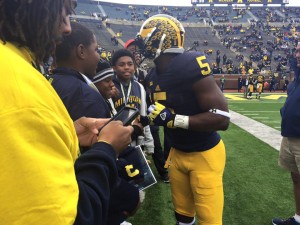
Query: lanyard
{"type": "Point", "coordinates": [111, 107]}
{"type": "Point", "coordinates": [89, 82]}
{"type": "Point", "coordinates": [128, 93]}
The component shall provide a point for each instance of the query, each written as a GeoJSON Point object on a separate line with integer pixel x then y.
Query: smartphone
{"type": "Point", "coordinates": [127, 115]}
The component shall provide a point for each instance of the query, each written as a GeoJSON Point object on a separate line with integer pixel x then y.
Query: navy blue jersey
{"type": "Point", "coordinates": [174, 89]}
{"type": "Point", "coordinates": [250, 80]}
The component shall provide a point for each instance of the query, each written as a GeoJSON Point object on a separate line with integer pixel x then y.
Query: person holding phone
{"type": "Point", "coordinates": [43, 178]}
{"type": "Point", "coordinates": [77, 59]}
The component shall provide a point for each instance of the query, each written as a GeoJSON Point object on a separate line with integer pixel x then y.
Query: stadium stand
{"type": "Point", "coordinates": [87, 9]}
{"type": "Point", "coordinates": [259, 39]}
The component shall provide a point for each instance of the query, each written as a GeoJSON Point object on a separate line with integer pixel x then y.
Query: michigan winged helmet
{"type": "Point", "coordinates": [160, 34]}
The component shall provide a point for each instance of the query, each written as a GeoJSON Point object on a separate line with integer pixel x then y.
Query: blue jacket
{"type": "Point", "coordinates": [79, 98]}
{"type": "Point", "coordinates": [290, 112]}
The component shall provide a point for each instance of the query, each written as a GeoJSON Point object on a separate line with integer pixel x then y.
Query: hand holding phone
{"type": "Point", "coordinates": [117, 135]}
{"type": "Point", "coordinates": [126, 115]}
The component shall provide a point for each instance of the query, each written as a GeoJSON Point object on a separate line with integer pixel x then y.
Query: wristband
{"type": "Point", "coordinates": [181, 121]}
{"type": "Point", "coordinates": [220, 112]}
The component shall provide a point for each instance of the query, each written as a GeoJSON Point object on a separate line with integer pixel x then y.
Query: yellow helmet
{"type": "Point", "coordinates": [160, 34]}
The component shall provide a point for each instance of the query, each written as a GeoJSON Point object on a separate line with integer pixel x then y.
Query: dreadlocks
{"type": "Point", "coordinates": [32, 23]}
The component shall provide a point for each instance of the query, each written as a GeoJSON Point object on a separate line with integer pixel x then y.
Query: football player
{"type": "Point", "coordinates": [250, 86]}
{"type": "Point", "coordinates": [260, 81]}
{"type": "Point", "coordinates": [188, 102]}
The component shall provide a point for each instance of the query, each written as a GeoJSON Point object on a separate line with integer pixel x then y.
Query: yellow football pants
{"type": "Point", "coordinates": [197, 183]}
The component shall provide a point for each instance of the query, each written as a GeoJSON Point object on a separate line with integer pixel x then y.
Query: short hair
{"type": "Point", "coordinates": [79, 35]}
{"type": "Point", "coordinates": [120, 53]}
{"type": "Point", "coordinates": [33, 24]}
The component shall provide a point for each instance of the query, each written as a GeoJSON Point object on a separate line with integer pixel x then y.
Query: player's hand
{"type": "Point", "coordinates": [138, 129]}
{"type": "Point", "coordinates": [161, 116]}
{"type": "Point", "coordinates": [87, 130]}
{"type": "Point", "coordinates": [117, 135]}
{"type": "Point", "coordinates": [144, 120]}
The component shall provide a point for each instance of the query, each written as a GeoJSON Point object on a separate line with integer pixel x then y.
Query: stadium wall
{"type": "Point", "coordinates": [231, 82]}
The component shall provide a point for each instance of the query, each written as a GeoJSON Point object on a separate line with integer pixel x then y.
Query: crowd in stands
{"type": "Point", "coordinates": [268, 15]}
{"type": "Point", "coordinates": [140, 13]}
{"type": "Point", "coordinates": [258, 46]}
{"type": "Point", "coordinates": [251, 42]}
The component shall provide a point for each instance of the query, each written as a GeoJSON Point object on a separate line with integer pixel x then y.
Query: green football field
{"type": "Point", "coordinates": [256, 188]}
{"type": "Point", "coordinates": [265, 110]}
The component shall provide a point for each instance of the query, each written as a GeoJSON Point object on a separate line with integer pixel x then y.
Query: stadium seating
{"type": "Point", "coordinates": [252, 32]}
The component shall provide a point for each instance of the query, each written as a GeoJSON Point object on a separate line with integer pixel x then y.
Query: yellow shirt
{"type": "Point", "coordinates": [250, 71]}
{"type": "Point", "coordinates": [38, 146]}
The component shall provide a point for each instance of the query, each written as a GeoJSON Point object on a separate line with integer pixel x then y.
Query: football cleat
{"type": "Point", "coordinates": [165, 178]}
{"type": "Point", "coordinates": [177, 223]}
{"type": "Point", "coordinates": [126, 223]}
{"type": "Point", "coordinates": [290, 221]}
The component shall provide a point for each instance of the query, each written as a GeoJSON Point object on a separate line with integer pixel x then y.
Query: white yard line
{"type": "Point", "coordinates": [271, 121]}
{"type": "Point", "coordinates": [259, 111]}
{"type": "Point", "coordinates": [255, 102]}
{"type": "Point", "coordinates": [259, 130]}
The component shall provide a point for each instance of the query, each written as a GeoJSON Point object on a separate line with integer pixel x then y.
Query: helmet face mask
{"type": "Point", "coordinates": [160, 34]}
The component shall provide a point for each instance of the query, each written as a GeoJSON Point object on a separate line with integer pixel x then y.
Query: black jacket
{"type": "Point", "coordinates": [79, 98]}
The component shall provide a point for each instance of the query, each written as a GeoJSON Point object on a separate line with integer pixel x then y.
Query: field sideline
{"type": "Point", "coordinates": [256, 188]}
{"type": "Point", "coordinates": [263, 115]}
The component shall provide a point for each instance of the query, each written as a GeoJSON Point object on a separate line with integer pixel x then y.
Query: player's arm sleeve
{"type": "Point", "coordinates": [96, 174]}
